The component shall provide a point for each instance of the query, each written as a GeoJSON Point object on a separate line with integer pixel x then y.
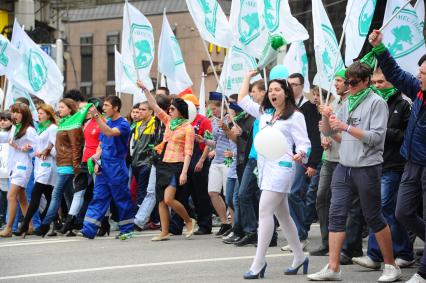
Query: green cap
{"type": "Point", "coordinates": [341, 73]}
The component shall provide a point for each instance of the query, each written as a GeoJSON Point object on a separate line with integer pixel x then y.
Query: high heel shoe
{"type": "Point", "coordinates": [69, 224]}
{"type": "Point", "coordinates": [251, 275]}
{"type": "Point", "coordinates": [22, 230]}
{"type": "Point", "coordinates": [293, 271]}
{"type": "Point", "coordinates": [105, 228]}
{"type": "Point", "coordinates": [42, 230]}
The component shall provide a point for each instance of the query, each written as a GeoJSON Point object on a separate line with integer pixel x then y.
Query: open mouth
{"type": "Point", "coordinates": [273, 99]}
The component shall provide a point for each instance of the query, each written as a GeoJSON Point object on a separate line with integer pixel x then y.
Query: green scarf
{"type": "Point", "coordinates": [228, 160]}
{"type": "Point", "coordinates": [75, 121]}
{"type": "Point", "coordinates": [18, 128]}
{"type": "Point", "coordinates": [42, 126]}
{"type": "Point", "coordinates": [133, 126]}
{"type": "Point", "coordinates": [208, 135]}
{"type": "Point", "coordinates": [385, 93]}
{"type": "Point", "coordinates": [239, 116]}
{"type": "Point", "coordinates": [176, 122]}
{"type": "Point", "coordinates": [209, 113]}
{"type": "Point", "coordinates": [356, 99]}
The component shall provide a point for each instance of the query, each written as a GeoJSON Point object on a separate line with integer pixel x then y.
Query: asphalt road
{"type": "Point", "coordinates": [201, 259]}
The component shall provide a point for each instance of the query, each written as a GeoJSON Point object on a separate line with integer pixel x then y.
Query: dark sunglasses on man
{"type": "Point", "coordinates": [352, 82]}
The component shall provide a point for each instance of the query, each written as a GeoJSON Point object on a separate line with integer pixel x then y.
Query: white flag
{"type": "Point", "coordinates": [237, 64]}
{"type": "Point", "coordinates": [359, 14]}
{"type": "Point", "coordinates": [211, 21]}
{"type": "Point", "coordinates": [404, 35]}
{"type": "Point", "coordinates": [10, 58]}
{"type": "Point", "coordinates": [296, 61]}
{"type": "Point", "coordinates": [277, 17]}
{"type": "Point", "coordinates": [125, 79]}
{"type": "Point", "coordinates": [170, 60]}
{"type": "Point", "coordinates": [38, 74]}
{"type": "Point", "coordinates": [325, 45]}
{"type": "Point", "coordinates": [420, 10]}
{"type": "Point", "coordinates": [15, 91]}
{"type": "Point", "coordinates": [246, 27]}
{"type": "Point", "coordinates": [202, 97]}
{"type": "Point", "coordinates": [137, 45]}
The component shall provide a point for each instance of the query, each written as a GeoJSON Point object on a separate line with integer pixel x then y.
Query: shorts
{"type": "Point", "coordinates": [218, 176]}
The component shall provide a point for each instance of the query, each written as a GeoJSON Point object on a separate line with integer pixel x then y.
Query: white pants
{"type": "Point", "coordinates": [218, 176]}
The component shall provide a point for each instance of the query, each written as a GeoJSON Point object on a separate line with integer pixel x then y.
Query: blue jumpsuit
{"type": "Point", "coordinates": [112, 182]}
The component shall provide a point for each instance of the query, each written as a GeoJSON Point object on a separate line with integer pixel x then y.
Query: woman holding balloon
{"type": "Point", "coordinates": [281, 122]}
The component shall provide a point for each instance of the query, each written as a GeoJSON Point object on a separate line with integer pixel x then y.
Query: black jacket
{"type": "Point", "coordinates": [399, 114]}
{"type": "Point", "coordinates": [312, 118]}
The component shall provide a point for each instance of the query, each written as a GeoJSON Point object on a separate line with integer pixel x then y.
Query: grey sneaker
{"type": "Point", "coordinates": [367, 262]}
{"type": "Point", "coordinates": [325, 274]}
{"type": "Point", "coordinates": [304, 244]}
{"type": "Point", "coordinates": [416, 278]}
{"type": "Point", "coordinates": [390, 274]}
{"type": "Point", "coordinates": [402, 263]}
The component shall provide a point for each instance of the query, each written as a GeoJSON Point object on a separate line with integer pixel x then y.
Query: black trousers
{"type": "Point", "coordinates": [38, 190]}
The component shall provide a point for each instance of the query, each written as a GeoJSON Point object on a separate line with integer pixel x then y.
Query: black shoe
{"type": "Point", "coordinates": [137, 228]}
{"type": "Point", "coordinates": [274, 241]}
{"type": "Point", "coordinates": [248, 239]}
{"type": "Point", "coordinates": [234, 239]}
{"type": "Point", "coordinates": [69, 224]}
{"type": "Point", "coordinates": [22, 230]}
{"type": "Point", "coordinates": [321, 251]}
{"type": "Point", "coordinates": [42, 230]}
{"type": "Point", "coordinates": [223, 229]}
{"type": "Point", "coordinates": [201, 231]}
{"type": "Point", "coordinates": [105, 228]}
{"type": "Point", "coordinates": [71, 234]}
{"type": "Point", "coordinates": [228, 232]}
{"type": "Point", "coordinates": [52, 233]}
{"type": "Point", "coordinates": [57, 225]}
{"type": "Point", "coordinates": [345, 260]}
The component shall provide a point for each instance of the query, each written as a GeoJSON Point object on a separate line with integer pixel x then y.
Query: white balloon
{"type": "Point", "coordinates": [192, 111]}
{"type": "Point", "coordinates": [270, 143]}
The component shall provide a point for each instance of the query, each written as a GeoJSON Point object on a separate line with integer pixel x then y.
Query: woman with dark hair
{"type": "Point", "coordinates": [279, 111]}
{"type": "Point", "coordinates": [69, 147]}
{"type": "Point", "coordinates": [172, 167]}
{"type": "Point", "coordinates": [20, 166]}
{"type": "Point", "coordinates": [44, 165]}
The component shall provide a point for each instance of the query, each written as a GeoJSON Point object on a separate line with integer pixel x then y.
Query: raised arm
{"type": "Point", "coordinates": [149, 97]}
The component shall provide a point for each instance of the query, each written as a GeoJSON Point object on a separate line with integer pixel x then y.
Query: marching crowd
{"type": "Point", "coordinates": [357, 161]}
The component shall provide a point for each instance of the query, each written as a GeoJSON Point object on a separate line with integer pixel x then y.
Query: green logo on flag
{"type": "Point", "coordinates": [366, 16]}
{"type": "Point", "coordinates": [209, 8]}
{"type": "Point", "coordinates": [330, 51]}
{"type": "Point", "coordinates": [37, 70]}
{"type": "Point", "coordinates": [304, 64]}
{"type": "Point", "coordinates": [142, 39]}
{"type": "Point", "coordinates": [248, 21]}
{"type": "Point", "coordinates": [176, 52]}
{"type": "Point", "coordinates": [130, 73]}
{"type": "Point", "coordinates": [407, 37]}
{"type": "Point", "coordinates": [272, 14]}
{"type": "Point", "coordinates": [3, 58]}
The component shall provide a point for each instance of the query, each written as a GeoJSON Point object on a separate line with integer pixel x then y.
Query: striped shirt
{"type": "Point", "coordinates": [221, 142]}
{"type": "Point", "coordinates": [180, 142]}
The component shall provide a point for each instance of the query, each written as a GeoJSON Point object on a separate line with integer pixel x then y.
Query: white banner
{"type": "Point", "coordinates": [15, 91]}
{"type": "Point", "coordinates": [296, 61]}
{"type": "Point", "coordinates": [277, 17]}
{"type": "Point", "coordinates": [359, 21]}
{"type": "Point", "coordinates": [211, 21]}
{"type": "Point", "coordinates": [137, 45]}
{"type": "Point", "coordinates": [246, 27]}
{"type": "Point", "coordinates": [38, 73]}
{"type": "Point", "coordinates": [404, 35]}
{"type": "Point", "coordinates": [170, 60]}
{"type": "Point", "coordinates": [4, 159]}
{"type": "Point", "coordinates": [10, 58]}
{"type": "Point", "coordinates": [326, 47]}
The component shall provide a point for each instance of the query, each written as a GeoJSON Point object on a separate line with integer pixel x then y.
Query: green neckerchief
{"type": "Point", "coordinates": [42, 126]}
{"type": "Point", "coordinates": [228, 160]}
{"type": "Point", "coordinates": [75, 121]}
{"type": "Point", "coordinates": [18, 128]}
{"type": "Point", "coordinates": [176, 122]}
{"type": "Point", "coordinates": [356, 99]}
{"type": "Point", "coordinates": [385, 93]}
{"type": "Point", "coordinates": [209, 113]}
{"type": "Point", "coordinates": [239, 116]}
{"type": "Point", "coordinates": [208, 135]}
{"type": "Point", "coordinates": [133, 126]}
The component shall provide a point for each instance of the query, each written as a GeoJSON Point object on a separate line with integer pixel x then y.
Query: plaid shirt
{"type": "Point", "coordinates": [180, 142]}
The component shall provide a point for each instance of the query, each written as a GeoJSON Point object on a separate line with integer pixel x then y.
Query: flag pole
{"type": "Point", "coordinates": [265, 79]}
{"type": "Point", "coordinates": [336, 61]}
{"type": "Point", "coordinates": [4, 92]}
{"type": "Point", "coordinates": [393, 16]}
{"type": "Point", "coordinates": [158, 79]}
{"type": "Point", "coordinates": [224, 103]}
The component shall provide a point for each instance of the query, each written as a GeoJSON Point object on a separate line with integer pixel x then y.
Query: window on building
{"type": "Point", "coordinates": [113, 39]}
{"type": "Point", "coordinates": [86, 51]}
{"type": "Point", "coordinates": [110, 90]}
{"type": "Point", "coordinates": [86, 89]}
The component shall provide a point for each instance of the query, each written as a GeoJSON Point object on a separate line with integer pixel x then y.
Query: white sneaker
{"type": "Point", "coordinates": [287, 248]}
{"type": "Point", "coordinates": [390, 274]}
{"type": "Point", "coordinates": [325, 274]}
{"type": "Point", "coordinates": [366, 261]}
{"type": "Point", "coordinates": [402, 263]}
{"type": "Point", "coordinates": [416, 279]}
{"type": "Point", "coordinates": [228, 236]}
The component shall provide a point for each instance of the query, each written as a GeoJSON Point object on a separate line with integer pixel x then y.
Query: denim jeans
{"type": "Point", "coordinates": [248, 198]}
{"type": "Point", "coordinates": [64, 186]}
{"type": "Point", "coordinates": [296, 201]}
{"type": "Point", "coordinates": [311, 199]}
{"type": "Point", "coordinates": [148, 203]}
{"type": "Point", "coordinates": [232, 200]}
{"type": "Point", "coordinates": [142, 178]}
{"type": "Point", "coordinates": [402, 247]}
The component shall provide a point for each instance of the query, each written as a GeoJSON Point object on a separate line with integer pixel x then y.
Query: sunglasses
{"type": "Point", "coordinates": [352, 82]}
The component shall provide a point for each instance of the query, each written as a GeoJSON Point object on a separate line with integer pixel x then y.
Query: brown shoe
{"type": "Point", "coordinates": [190, 232]}
{"type": "Point", "coordinates": [6, 233]}
{"type": "Point", "coordinates": [161, 238]}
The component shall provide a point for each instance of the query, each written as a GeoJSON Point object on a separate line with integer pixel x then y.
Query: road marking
{"type": "Point", "coordinates": [116, 267]}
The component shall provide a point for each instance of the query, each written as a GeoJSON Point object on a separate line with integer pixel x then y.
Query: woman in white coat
{"type": "Point", "coordinates": [44, 165]}
{"type": "Point", "coordinates": [278, 110]}
{"type": "Point", "coordinates": [20, 164]}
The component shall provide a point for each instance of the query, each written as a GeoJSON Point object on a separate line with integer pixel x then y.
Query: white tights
{"type": "Point", "coordinates": [275, 203]}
